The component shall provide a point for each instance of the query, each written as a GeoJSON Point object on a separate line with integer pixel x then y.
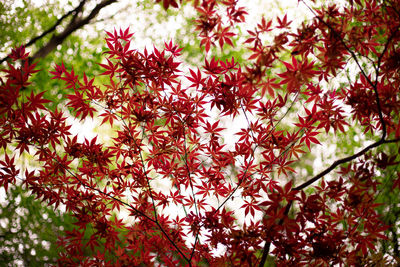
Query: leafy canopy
{"type": "Point", "coordinates": [163, 191]}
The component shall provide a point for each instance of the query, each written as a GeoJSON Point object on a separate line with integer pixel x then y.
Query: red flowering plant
{"type": "Point", "coordinates": [162, 192]}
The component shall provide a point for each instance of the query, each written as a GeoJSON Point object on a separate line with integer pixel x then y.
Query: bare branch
{"type": "Point", "coordinates": [75, 11]}
{"type": "Point", "coordinates": [75, 24]}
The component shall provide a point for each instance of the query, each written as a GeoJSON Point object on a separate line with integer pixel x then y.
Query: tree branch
{"type": "Point", "coordinates": [75, 11]}
{"type": "Point", "coordinates": [75, 24]}
{"type": "Point", "coordinates": [316, 178]}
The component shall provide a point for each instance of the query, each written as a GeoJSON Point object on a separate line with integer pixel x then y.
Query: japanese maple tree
{"type": "Point", "coordinates": [169, 189]}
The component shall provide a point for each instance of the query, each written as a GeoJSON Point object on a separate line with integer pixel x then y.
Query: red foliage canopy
{"type": "Point", "coordinates": [160, 192]}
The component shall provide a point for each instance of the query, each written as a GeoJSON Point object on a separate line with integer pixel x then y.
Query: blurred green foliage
{"type": "Point", "coordinates": [28, 229]}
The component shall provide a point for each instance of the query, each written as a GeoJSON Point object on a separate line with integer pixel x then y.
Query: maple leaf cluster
{"type": "Point", "coordinates": [164, 133]}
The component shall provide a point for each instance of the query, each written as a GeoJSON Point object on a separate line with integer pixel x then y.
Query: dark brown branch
{"type": "Point", "coordinates": [341, 161]}
{"type": "Point", "coordinates": [75, 24]}
{"type": "Point", "coordinates": [319, 176]}
{"type": "Point", "coordinates": [267, 244]}
{"type": "Point", "coordinates": [75, 11]}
